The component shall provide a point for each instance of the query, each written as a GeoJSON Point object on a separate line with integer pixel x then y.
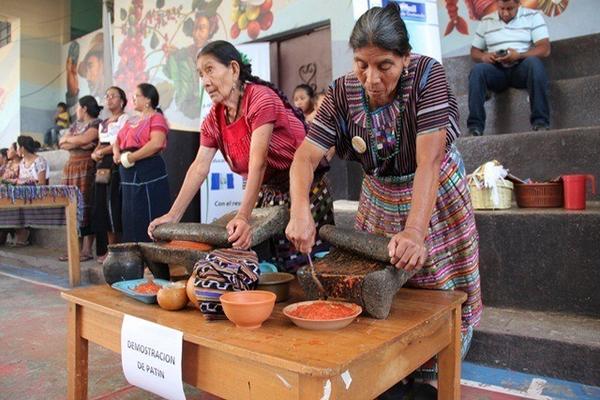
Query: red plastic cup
{"type": "Point", "coordinates": [575, 190]}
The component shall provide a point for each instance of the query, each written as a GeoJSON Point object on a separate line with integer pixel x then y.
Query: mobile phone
{"type": "Point", "coordinates": [74, 52]}
{"type": "Point", "coordinates": [501, 53]}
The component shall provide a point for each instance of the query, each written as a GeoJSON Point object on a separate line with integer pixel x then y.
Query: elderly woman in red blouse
{"type": "Point", "coordinates": [258, 131]}
{"type": "Point", "coordinates": [144, 181]}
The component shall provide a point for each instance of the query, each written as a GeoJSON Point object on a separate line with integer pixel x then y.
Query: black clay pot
{"type": "Point", "coordinates": [123, 262]}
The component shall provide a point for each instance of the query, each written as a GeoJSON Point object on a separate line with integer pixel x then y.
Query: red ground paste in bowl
{"type": "Point", "coordinates": [322, 311]}
{"type": "Point", "coordinates": [147, 288]}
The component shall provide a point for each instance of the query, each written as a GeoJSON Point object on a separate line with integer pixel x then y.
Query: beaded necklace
{"type": "Point", "coordinates": [376, 147]}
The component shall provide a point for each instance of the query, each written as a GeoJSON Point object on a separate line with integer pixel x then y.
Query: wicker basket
{"type": "Point", "coordinates": [482, 198]}
{"type": "Point", "coordinates": [542, 195]}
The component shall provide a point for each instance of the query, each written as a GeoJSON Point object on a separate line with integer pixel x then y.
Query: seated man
{"type": "Point", "coordinates": [61, 121]}
{"type": "Point", "coordinates": [508, 46]}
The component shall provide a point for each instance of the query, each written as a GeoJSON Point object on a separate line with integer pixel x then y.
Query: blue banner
{"type": "Point", "coordinates": [410, 10]}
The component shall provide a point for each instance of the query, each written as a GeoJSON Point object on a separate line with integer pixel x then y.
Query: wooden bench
{"type": "Point", "coordinates": [70, 205]}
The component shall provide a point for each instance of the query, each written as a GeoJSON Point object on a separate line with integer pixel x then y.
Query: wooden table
{"type": "Point", "coordinates": [280, 360]}
{"type": "Point", "coordinates": [70, 205]}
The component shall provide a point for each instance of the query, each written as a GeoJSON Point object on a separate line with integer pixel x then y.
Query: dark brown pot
{"type": "Point", "coordinates": [123, 262]}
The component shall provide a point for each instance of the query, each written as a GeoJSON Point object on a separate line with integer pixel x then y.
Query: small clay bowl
{"type": "Point", "coordinates": [248, 309]}
{"type": "Point", "coordinates": [278, 283]}
{"type": "Point", "coordinates": [173, 296]}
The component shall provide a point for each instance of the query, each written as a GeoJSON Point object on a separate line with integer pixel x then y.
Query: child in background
{"type": "Point", "coordinates": [61, 121]}
{"type": "Point", "coordinates": [303, 99]}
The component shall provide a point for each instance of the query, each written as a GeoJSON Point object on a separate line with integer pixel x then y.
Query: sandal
{"type": "Point", "coordinates": [64, 257]}
{"type": "Point", "coordinates": [101, 259]}
{"type": "Point", "coordinates": [21, 244]}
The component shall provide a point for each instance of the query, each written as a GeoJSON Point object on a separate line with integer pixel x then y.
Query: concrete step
{"type": "Point", "coordinates": [56, 161]}
{"type": "Point", "coordinates": [573, 103]}
{"type": "Point", "coordinates": [570, 58]}
{"type": "Point", "coordinates": [533, 259]}
{"type": "Point", "coordinates": [552, 344]}
{"type": "Point", "coordinates": [537, 155]}
{"type": "Point", "coordinates": [45, 260]}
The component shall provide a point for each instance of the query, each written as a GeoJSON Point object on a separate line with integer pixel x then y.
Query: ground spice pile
{"type": "Point", "coordinates": [322, 311]}
{"type": "Point", "coordinates": [147, 288]}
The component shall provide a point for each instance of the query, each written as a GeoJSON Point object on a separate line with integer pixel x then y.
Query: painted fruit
{"type": "Point", "coordinates": [242, 22]}
{"type": "Point", "coordinates": [253, 29]}
{"type": "Point", "coordinates": [266, 20]}
{"type": "Point", "coordinates": [266, 6]}
{"type": "Point", "coordinates": [235, 31]}
{"type": "Point", "coordinates": [252, 12]}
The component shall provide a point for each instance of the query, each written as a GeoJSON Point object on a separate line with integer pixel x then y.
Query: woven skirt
{"type": "Point", "coordinates": [145, 195]}
{"type": "Point", "coordinates": [107, 200]}
{"type": "Point", "coordinates": [80, 171]}
{"type": "Point", "coordinates": [281, 252]}
{"type": "Point", "coordinates": [452, 239]}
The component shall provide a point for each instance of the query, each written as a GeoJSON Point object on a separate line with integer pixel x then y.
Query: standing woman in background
{"type": "Point", "coordinates": [106, 220]}
{"type": "Point", "coordinates": [79, 170]}
{"type": "Point", "coordinates": [144, 183]}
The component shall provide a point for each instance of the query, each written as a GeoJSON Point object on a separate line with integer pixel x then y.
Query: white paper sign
{"type": "Point", "coordinates": [151, 357]}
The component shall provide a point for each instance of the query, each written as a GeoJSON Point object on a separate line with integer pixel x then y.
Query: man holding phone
{"type": "Point", "coordinates": [508, 47]}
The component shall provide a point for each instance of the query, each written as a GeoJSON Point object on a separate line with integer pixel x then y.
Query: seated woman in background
{"type": "Point", "coordinates": [32, 171]}
{"type": "Point", "coordinates": [11, 169]}
{"type": "Point", "coordinates": [3, 160]}
{"type": "Point", "coordinates": [79, 170]}
{"type": "Point", "coordinates": [304, 100]}
{"type": "Point", "coordinates": [106, 220]}
{"type": "Point", "coordinates": [32, 168]}
{"type": "Point", "coordinates": [10, 174]}
{"type": "Point", "coordinates": [144, 183]}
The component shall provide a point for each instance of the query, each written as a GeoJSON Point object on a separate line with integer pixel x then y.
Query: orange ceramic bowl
{"type": "Point", "coordinates": [248, 309]}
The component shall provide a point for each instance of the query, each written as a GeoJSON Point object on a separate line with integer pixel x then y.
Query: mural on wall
{"type": "Point", "coordinates": [459, 19]}
{"type": "Point", "coordinates": [157, 42]}
{"type": "Point", "coordinates": [10, 122]}
{"type": "Point", "coordinates": [252, 16]}
{"type": "Point", "coordinates": [84, 67]}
